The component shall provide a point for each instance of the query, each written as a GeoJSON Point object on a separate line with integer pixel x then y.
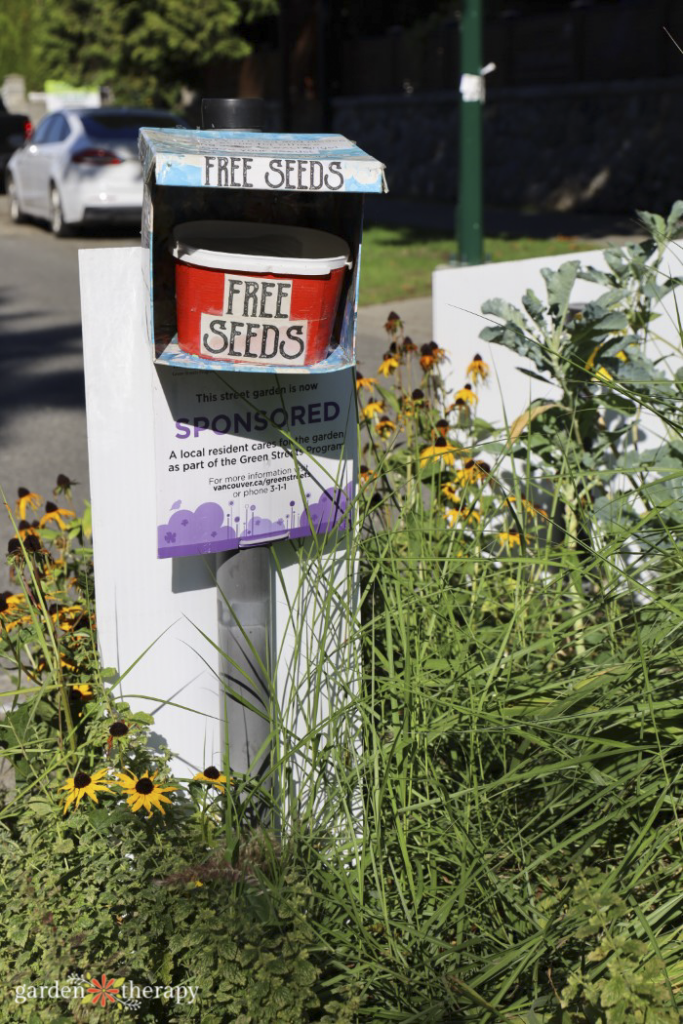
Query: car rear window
{"type": "Point", "coordinates": [126, 126]}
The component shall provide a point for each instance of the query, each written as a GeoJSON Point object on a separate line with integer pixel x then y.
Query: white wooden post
{"type": "Point", "coordinates": [151, 612]}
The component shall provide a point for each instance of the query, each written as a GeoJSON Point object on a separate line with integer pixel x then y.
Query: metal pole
{"type": "Point", "coordinates": [470, 203]}
{"type": "Point", "coordinates": [244, 616]}
{"type": "Point", "coordinates": [243, 577]}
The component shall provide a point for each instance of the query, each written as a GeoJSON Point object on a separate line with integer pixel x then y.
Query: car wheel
{"type": "Point", "coordinates": [15, 213]}
{"type": "Point", "coordinates": [59, 228]}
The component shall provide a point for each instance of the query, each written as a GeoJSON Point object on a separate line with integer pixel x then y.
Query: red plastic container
{"type": "Point", "coordinates": [263, 294]}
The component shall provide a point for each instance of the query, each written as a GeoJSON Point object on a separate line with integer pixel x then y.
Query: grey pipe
{"type": "Point", "coordinates": [244, 615]}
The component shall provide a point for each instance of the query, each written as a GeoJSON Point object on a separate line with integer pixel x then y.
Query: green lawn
{"type": "Point", "coordinates": [397, 263]}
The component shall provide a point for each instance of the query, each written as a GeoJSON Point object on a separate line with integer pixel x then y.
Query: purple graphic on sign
{"type": "Point", "coordinates": [211, 528]}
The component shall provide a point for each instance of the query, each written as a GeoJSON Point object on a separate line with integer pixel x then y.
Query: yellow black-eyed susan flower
{"type": "Point", "coordinates": [526, 505]}
{"type": "Point", "coordinates": [373, 409]}
{"type": "Point", "coordinates": [408, 346]}
{"type": "Point", "coordinates": [466, 394]}
{"type": "Point", "coordinates": [366, 474]}
{"type": "Point", "coordinates": [365, 382]}
{"type": "Point", "coordinates": [461, 410]}
{"type": "Point", "coordinates": [418, 397]}
{"type": "Point", "coordinates": [427, 357]}
{"type": "Point", "coordinates": [143, 792]}
{"type": "Point", "coordinates": [388, 364]}
{"type": "Point", "coordinates": [65, 662]}
{"type": "Point", "coordinates": [449, 492]}
{"type": "Point", "coordinates": [24, 529]}
{"type": "Point", "coordinates": [10, 605]}
{"type": "Point", "coordinates": [27, 499]}
{"type": "Point", "coordinates": [32, 544]}
{"type": "Point", "coordinates": [72, 617]}
{"type": "Point", "coordinates": [117, 730]}
{"type": "Point", "coordinates": [82, 691]}
{"type": "Point", "coordinates": [213, 776]}
{"type": "Point", "coordinates": [590, 362]}
{"type": "Point", "coordinates": [407, 406]}
{"type": "Point", "coordinates": [82, 785]}
{"type": "Point", "coordinates": [459, 511]}
{"type": "Point", "coordinates": [64, 485]}
{"type": "Point", "coordinates": [509, 539]}
{"type": "Point", "coordinates": [443, 426]}
{"type": "Point", "coordinates": [440, 450]}
{"type": "Point", "coordinates": [385, 427]}
{"type": "Point", "coordinates": [473, 471]}
{"type": "Point", "coordinates": [9, 601]}
{"type": "Point", "coordinates": [55, 515]}
{"type": "Point", "coordinates": [478, 370]}
{"type": "Point", "coordinates": [393, 324]}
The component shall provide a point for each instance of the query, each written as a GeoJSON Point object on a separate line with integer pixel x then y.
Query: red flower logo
{"type": "Point", "coordinates": [103, 991]}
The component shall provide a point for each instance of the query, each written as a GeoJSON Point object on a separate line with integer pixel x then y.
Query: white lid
{"type": "Point", "coordinates": [264, 248]}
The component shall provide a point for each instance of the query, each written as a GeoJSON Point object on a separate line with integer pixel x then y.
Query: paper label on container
{"type": "Point", "coordinates": [263, 342]}
{"type": "Point", "coordinates": [243, 459]}
{"type": "Point", "coordinates": [250, 297]}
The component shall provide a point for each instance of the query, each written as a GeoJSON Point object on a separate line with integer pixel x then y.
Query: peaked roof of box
{"type": "Point", "coordinates": [267, 160]}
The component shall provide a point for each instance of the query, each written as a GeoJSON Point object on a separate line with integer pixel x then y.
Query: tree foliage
{"type": "Point", "coordinates": [18, 22]}
{"type": "Point", "coordinates": [145, 50]}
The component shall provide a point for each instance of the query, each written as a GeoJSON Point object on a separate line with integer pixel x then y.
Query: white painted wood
{"type": "Point", "coordinates": [154, 609]}
{"type": "Point", "coordinates": [142, 602]}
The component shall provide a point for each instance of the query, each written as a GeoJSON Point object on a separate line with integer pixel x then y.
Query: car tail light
{"type": "Point", "coordinates": [28, 129]}
{"type": "Point", "coordinates": [99, 157]}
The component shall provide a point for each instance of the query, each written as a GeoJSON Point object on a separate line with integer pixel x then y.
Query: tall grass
{"type": "Point", "coordinates": [478, 770]}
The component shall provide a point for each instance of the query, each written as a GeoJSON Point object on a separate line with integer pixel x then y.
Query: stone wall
{"type": "Point", "coordinates": [599, 147]}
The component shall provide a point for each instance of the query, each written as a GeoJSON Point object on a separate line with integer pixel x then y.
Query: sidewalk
{"type": "Point", "coordinates": [373, 341]}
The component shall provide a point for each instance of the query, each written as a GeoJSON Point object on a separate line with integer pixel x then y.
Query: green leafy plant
{"type": "Point", "coordinates": [486, 825]}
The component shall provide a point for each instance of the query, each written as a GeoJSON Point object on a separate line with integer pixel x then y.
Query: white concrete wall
{"type": "Point", "coordinates": [458, 294]}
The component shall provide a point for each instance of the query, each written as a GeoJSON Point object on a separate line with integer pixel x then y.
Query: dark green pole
{"type": "Point", "coordinates": [470, 202]}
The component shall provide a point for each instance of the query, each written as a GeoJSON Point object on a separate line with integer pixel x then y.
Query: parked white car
{"type": "Point", "coordinates": [81, 165]}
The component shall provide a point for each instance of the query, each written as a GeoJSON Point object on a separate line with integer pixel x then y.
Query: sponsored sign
{"type": "Point", "coordinates": [250, 460]}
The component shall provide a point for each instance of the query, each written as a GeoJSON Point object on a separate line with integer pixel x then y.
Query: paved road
{"type": "Point", "coordinates": [42, 403]}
